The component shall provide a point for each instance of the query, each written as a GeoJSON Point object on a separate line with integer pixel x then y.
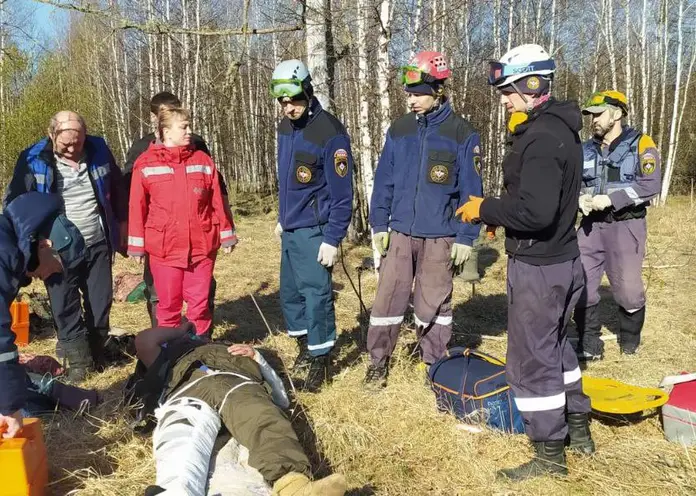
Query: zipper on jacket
{"type": "Point", "coordinates": [421, 139]}
{"type": "Point", "coordinates": [291, 166]}
{"type": "Point", "coordinates": [315, 207]}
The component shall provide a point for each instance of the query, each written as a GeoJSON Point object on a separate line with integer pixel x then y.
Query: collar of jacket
{"type": "Point", "coordinates": [436, 116]}
{"type": "Point", "coordinates": [533, 115]}
{"type": "Point", "coordinates": [47, 155]}
{"type": "Point", "coordinates": [175, 154]}
{"type": "Point", "coordinates": [311, 112]}
{"type": "Point", "coordinates": [628, 134]}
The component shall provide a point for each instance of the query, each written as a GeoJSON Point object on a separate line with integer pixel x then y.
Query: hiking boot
{"type": "Point", "coordinates": [318, 373]}
{"type": "Point", "coordinates": [304, 358]}
{"type": "Point", "coordinates": [297, 484]}
{"type": "Point", "coordinates": [79, 361]}
{"type": "Point", "coordinates": [376, 376]}
{"type": "Point", "coordinates": [630, 325]}
{"type": "Point", "coordinates": [549, 459]}
{"type": "Point", "coordinates": [579, 435]}
{"type": "Point", "coordinates": [589, 345]}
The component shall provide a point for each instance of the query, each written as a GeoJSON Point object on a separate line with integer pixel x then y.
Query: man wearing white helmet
{"type": "Point", "coordinates": [543, 177]}
{"type": "Point", "coordinates": [315, 166]}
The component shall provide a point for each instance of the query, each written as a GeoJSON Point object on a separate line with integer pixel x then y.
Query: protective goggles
{"type": "Point", "coordinates": [499, 71]}
{"type": "Point", "coordinates": [414, 75]}
{"type": "Point", "coordinates": [281, 88]}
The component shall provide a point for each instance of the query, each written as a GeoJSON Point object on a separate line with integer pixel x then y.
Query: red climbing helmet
{"type": "Point", "coordinates": [425, 67]}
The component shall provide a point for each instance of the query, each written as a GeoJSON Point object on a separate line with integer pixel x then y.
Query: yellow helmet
{"type": "Point", "coordinates": [600, 100]}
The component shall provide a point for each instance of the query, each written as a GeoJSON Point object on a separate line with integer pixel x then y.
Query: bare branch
{"type": "Point", "coordinates": [156, 27]}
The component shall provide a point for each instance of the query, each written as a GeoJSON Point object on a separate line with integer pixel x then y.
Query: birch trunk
{"type": "Point", "coordinates": [365, 147]}
{"type": "Point", "coordinates": [317, 60]}
{"type": "Point", "coordinates": [416, 28]}
{"type": "Point", "coordinates": [644, 67]}
{"type": "Point", "coordinates": [629, 86]}
{"type": "Point", "coordinates": [663, 95]}
{"type": "Point", "coordinates": [672, 145]}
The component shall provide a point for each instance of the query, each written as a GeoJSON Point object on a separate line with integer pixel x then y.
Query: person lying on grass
{"type": "Point", "coordinates": [198, 386]}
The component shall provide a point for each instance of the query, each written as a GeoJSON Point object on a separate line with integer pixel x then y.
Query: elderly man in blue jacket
{"type": "Point", "coordinates": [35, 241]}
{"type": "Point", "coordinates": [81, 170]}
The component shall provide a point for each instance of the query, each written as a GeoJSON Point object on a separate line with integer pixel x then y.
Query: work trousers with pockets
{"type": "Point", "coordinates": [428, 260]}
{"type": "Point", "coordinates": [542, 368]}
{"type": "Point", "coordinates": [306, 293]}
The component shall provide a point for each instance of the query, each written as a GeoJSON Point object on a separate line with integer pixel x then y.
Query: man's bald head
{"type": "Point", "coordinates": [67, 131]}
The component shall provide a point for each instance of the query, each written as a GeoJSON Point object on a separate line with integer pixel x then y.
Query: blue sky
{"type": "Point", "coordinates": [45, 22]}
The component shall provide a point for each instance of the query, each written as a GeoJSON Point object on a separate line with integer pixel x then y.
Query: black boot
{"type": "Point", "coordinates": [630, 325]}
{"type": "Point", "coordinates": [304, 358]}
{"type": "Point", "coordinates": [589, 345]}
{"type": "Point", "coordinates": [318, 373]}
{"type": "Point", "coordinates": [153, 490]}
{"type": "Point", "coordinates": [549, 460]}
{"type": "Point", "coordinates": [376, 376]}
{"type": "Point", "coordinates": [579, 435]}
{"type": "Point", "coordinates": [79, 361]}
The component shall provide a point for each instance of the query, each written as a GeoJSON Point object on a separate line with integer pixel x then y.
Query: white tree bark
{"type": "Point", "coordinates": [416, 27]}
{"type": "Point", "coordinates": [672, 145]}
{"type": "Point", "coordinates": [644, 67]}
{"type": "Point", "coordinates": [383, 72]}
{"type": "Point", "coordinates": [365, 146]}
{"type": "Point", "coordinates": [317, 61]}
{"type": "Point", "coordinates": [663, 95]}
{"type": "Point", "coordinates": [552, 43]}
{"type": "Point", "coordinates": [627, 61]}
{"type": "Point", "coordinates": [610, 43]}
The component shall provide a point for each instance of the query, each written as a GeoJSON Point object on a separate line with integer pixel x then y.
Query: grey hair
{"type": "Point", "coordinates": [54, 122]}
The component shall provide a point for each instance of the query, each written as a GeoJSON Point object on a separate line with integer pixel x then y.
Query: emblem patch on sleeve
{"type": "Point", "coordinates": [341, 162]}
{"type": "Point", "coordinates": [303, 174]}
{"type": "Point", "coordinates": [439, 174]}
{"type": "Point", "coordinates": [647, 164]}
{"type": "Point", "coordinates": [477, 164]}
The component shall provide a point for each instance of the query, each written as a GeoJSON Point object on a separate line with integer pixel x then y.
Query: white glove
{"type": "Point", "coordinates": [585, 204]}
{"type": "Point", "coordinates": [327, 255]}
{"type": "Point", "coordinates": [278, 231]}
{"type": "Point", "coordinates": [601, 202]}
{"type": "Point", "coordinates": [460, 253]}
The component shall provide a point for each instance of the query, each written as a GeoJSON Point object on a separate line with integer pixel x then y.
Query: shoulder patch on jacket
{"type": "Point", "coordinates": [341, 162]}
{"type": "Point", "coordinates": [404, 126]}
{"type": "Point", "coordinates": [645, 143]}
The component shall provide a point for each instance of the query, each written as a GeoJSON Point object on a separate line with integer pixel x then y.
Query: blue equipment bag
{"type": "Point", "coordinates": [472, 386]}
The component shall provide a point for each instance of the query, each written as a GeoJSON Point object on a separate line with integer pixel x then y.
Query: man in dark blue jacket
{"type": "Point", "coordinates": [315, 166]}
{"type": "Point", "coordinates": [35, 241]}
{"type": "Point", "coordinates": [82, 171]}
{"type": "Point", "coordinates": [430, 162]}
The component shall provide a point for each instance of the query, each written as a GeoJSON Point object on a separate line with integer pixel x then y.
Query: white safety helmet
{"type": "Point", "coordinates": [290, 79]}
{"type": "Point", "coordinates": [520, 62]}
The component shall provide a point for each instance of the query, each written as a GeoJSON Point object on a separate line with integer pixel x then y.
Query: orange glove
{"type": "Point", "coordinates": [490, 232]}
{"type": "Point", "coordinates": [470, 211]}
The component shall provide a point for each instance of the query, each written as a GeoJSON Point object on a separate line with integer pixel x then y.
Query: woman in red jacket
{"type": "Point", "coordinates": [177, 217]}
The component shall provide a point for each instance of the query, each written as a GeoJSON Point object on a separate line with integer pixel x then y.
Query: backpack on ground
{"type": "Point", "coordinates": [471, 385]}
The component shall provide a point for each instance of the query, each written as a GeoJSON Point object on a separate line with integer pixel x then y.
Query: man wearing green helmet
{"type": "Point", "coordinates": [315, 166]}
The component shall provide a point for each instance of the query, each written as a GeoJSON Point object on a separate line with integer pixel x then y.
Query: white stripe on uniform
{"type": "Point", "coordinates": [572, 376]}
{"type": "Point", "coordinates": [205, 169]}
{"type": "Point", "coordinates": [328, 344]}
{"type": "Point", "coordinates": [385, 321]}
{"type": "Point", "coordinates": [541, 403]}
{"type": "Point", "coordinates": [157, 171]}
{"type": "Point", "coordinates": [136, 241]}
{"type": "Point", "coordinates": [303, 332]}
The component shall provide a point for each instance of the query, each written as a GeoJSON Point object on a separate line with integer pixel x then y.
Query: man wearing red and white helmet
{"type": "Point", "coordinates": [543, 176]}
{"type": "Point", "coordinates": [430, 162]}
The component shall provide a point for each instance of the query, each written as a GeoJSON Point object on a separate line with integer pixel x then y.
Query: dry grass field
{"type": "Point", "coordinates": [395, 442]}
